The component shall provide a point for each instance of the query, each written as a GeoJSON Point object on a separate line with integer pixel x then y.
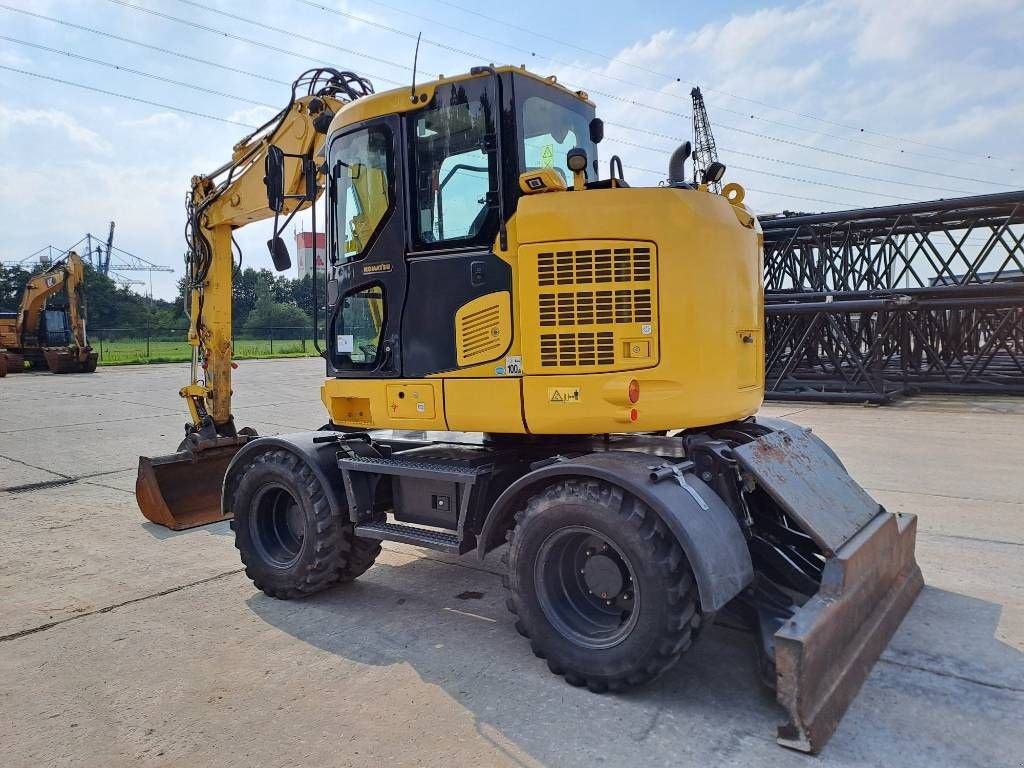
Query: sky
{"type": "Point", "coordinates": [815, 106]}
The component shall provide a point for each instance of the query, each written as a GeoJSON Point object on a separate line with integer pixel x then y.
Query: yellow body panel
{"type": "Point", "coordinates": [697, 356]}
{"type": "Point", "coordinates": [387, 404]}
{"type": "Point", "coordinates": [495, 402]}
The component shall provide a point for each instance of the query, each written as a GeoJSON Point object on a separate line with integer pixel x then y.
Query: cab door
{"type": "Point", "coordinates": [366, 247]}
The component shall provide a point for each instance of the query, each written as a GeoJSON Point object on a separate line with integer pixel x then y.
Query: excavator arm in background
{"type": "Point", "coordinates": [21, 335]}
{"type": "Point", "coordinates": [230, 197]}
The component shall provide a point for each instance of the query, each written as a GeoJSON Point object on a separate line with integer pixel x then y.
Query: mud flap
{"type": "Point", "coordinates": [824, 653]}
{"type": "Point", "coordinates": [183, 490]}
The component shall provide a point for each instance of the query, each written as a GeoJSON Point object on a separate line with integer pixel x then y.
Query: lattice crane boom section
{"type": "Point", "coordinates": [879, 302]}
{"type": "Point", "coordinates": [704, 150]}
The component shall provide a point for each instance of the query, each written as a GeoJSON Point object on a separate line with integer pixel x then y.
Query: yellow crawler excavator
{"type": "Point", "coordinates": [39, 334]}
{"type": "Point", "coordinates": [520, 351]}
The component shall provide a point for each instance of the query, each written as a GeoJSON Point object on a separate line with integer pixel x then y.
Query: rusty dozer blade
{"type": "Point", "coordinates": [183, 490]}
{"type": "Point", "coordinates": [70, 360]}
{"type": "Point", "coordinates": [825, 651]}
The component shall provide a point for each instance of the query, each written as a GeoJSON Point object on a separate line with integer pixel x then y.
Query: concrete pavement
{"type": "Point", "coordinates": [122, 643]}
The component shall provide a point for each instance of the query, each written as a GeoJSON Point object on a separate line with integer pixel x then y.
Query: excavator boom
{"type": "Point", "coordinates": [230, 197]}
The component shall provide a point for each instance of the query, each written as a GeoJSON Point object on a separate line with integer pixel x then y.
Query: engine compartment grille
{"type": "Point", "coordinates": [600, 265]}
{"type": "Point", "coordinates": [595, 307]}
{"type": "Point", "coordinates": [577, 349]}
{"type": "Point", "coordinates": [592, 304]}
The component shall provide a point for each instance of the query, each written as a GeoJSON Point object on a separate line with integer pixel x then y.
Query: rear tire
{"type": "Point", "coordinates": [599, 586]}
{"type": "Point", "coordinates": [290, 541]}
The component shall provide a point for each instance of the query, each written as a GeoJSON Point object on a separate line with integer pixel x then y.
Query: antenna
{"type": "Point", "coordinates": [415, 60]}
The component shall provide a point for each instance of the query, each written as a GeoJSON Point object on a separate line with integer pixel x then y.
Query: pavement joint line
{"type": "Point", "coordinates": [33, 466]}
{"type": "Point", "coordinates": [110, 487]}
{"type": "Point", "coordinates": [93, 423]}
{"type": "Point", "coordinates": [951, 675]}
{"type": "Point", "coordinates": [107, 609]}
{"type": "Point", "coordinates": [939, 495]}
{"type": "Point", "coordinates": [45, 483]}
{"type": "Point", "coordinates": [934, 534]}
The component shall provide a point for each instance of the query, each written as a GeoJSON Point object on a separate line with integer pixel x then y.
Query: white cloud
{"type": "Point", "coordinates": [161, 122]}
{"type": "Point", "coordinates": [75, 132]}
{"type": "Point", "coordinates": [253, 116]}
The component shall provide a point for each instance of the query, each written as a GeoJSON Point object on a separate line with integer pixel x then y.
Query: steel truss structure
{"type": "Point", "coordinates": [871, 304]}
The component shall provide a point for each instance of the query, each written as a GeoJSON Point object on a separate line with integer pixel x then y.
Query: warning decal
{"type": "Point", "coordinates": [564, 394]}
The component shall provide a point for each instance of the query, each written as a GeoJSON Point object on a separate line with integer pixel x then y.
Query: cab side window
{"type": "Point", "coordinates": [454, 175]}
{"type": "Point", "coordinates": [361, 169]}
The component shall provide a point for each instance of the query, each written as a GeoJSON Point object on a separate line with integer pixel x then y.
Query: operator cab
{"type": "Point", "coordinates": [419, 193]}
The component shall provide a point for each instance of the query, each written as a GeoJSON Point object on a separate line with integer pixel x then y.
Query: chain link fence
{"type": "Point", "coordinates": [129, 346]}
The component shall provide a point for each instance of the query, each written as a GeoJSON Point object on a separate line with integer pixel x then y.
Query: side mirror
{"type": "Point", "coordinates": [713, 173]}
{"type": "Point", "coordinates": [596, 130]}
{"type": "Point", "coordinates": [273, 178]}
{"type": "Point", "coordinates": [279, 254]}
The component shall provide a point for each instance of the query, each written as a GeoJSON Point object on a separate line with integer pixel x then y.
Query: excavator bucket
{"type": "Point", "coordinates": [12, 362]}
{"type": "Point", "coordinates": [70, 360]}
{"type": "Point", "coordinates": [183, 490]}
{"type": "Point", "coordinates": [825, 649]}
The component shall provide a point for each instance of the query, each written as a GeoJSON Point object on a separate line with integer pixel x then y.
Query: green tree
{"type": "Point", "coordinates": [269, 313]}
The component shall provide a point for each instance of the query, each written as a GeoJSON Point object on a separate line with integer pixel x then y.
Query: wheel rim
{"type": "Point", "coordinates": [278, 526]}
{"type": "Point", "coordinates": [586, 587]}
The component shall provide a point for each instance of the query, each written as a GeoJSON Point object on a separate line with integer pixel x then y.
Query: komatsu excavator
{"type": "Point", "coordinates": [38, 334]}
{"type": "Point", "coordinates": [523, 354]}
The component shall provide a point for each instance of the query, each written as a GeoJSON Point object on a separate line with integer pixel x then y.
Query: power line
{"type": "Point", "coordinates": [394, 30]}
{"type": "Point", "coordinates": [135, 71]}
{"type": "Point", "coordinates": [126, 96]}
{"type": "Point", "coordinates": [773, 160]}
{"type": "Point", "coordinates": [141, 44]}
{"type": "Point", "coordinates": [616, 59]}
{"type": "Point", "coordinates": [250, 41]}
{"type": "Point", "coordinates": [635, 102]}
{"type": "Point", "coordinates": [631, 101]}
{"type": "Point", "coordinates": [662, 174]}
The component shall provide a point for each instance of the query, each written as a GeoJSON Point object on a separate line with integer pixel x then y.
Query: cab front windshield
{"type": "Point", "coordinates": [549, 130]}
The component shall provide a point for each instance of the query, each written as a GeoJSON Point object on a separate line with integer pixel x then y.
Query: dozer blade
{"type": "Point", "coordinates": [69, 361]}
{"type": "Point", "coordinates": [183, 490]}
{"type": "Point", "coordinates": [826, 650]}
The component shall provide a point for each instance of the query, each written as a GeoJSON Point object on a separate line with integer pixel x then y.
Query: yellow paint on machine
{"type": "Point", "coordinates": [483, 328]}
{"type": "Point", "coordinates": [388, 404]}
{"type": "Point", "coordinates": [494, 401]}
{"type": "Point", "coordinates": [657, 285]}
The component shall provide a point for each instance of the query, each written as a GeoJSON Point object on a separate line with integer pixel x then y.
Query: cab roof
{"type": "Point", "coordinates": [399, 100]}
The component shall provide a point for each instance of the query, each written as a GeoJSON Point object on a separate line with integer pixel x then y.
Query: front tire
{"type": "Point", "coordinates": [291, 542]}
{"type": "Point", "coordinates": [599, 586]}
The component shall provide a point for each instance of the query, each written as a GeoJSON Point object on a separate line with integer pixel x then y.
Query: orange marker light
{"type": "Point", "coordinates": [633, 414]}
{"type": "Point", "coordinates": [634, 391]}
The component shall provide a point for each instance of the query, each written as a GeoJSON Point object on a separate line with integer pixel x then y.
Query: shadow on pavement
{"type": "Point", "coordinates": [447, 620]}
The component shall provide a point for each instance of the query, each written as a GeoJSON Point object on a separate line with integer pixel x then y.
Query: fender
{"type": "Point", "coordinates": [711, 538]}
{"type": "Point", "coordinates": [321, 458]}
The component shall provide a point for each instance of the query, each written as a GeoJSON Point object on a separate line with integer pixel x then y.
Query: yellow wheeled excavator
{"type": "Point", "coordinates": [38, 334]}
{"type": "Point", "coordinates": [519, 350]}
